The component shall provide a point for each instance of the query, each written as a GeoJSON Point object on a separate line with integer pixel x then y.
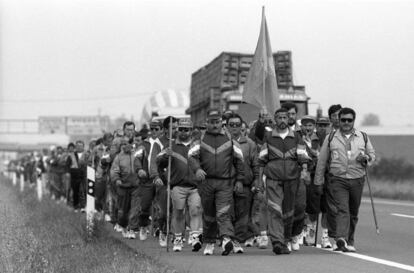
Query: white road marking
{"type": "Point", "coordinates": [385, 202]}
{"type": "Point", "coordinates": [372, 259]}
{"type": "Point", "coordinates": [402, 215]}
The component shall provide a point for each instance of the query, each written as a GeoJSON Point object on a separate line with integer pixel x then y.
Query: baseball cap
{"type": "Point", "coordinates": [323, 120]}
{"type": "Point", "coordinates": [308, 118]}
{"type": "Point", "coordinates": [185, 123]}
{"type": "Point", "coordinates": [155, 123]}
{"type": "Point", "coordinates": [213, 114]}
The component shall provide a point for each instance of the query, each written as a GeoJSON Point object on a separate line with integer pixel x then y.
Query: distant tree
{"type": "Point", "coordinates": [370, 120]}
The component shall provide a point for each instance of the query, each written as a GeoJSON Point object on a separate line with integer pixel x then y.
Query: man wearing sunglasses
{"type": "Point", "coordinates": [243, 196]}
{"type": "Point", "coordinates": [145, 167]}
{"type": "Point", "coordinates": [217, 161]}
{"type": "Point", "coordinates": [184, 193]}
{"type": "Point", "coordinates": [346, 154]}
{"type": "Point", "coordinates": [160, 180]}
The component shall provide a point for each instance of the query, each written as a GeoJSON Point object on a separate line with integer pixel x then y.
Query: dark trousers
{"type": "Point", "coordinates": [78, 184]}
{"type": "Point", "coordinates": [128, 200]}
{"type": "Point", "coordinates": [161, 203]}
{"type": "Point", "coordinates": [216, 200]}
{"type": "Point", "coordinates": [101, 193]}
{"type": "Point", "coordinates": [286, 201]}
{"type": "Point", "coordinates": [346, 194]}
{"type": "Point", "coordinates": [147, 194]}
{"type": "Point", "coordinates": [241, 219]}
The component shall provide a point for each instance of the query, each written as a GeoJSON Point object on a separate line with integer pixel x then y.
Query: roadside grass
{"type": "Point", "coordinates": [49, 237]}
{"type": "Point", "coordinates": [398, 190]}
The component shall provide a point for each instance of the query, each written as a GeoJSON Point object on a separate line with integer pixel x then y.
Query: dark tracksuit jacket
{"type": "Point", "coordinates": [243, 227]}
{"type": "Point", "coordinates": [222, 159]}
{"type": "Point", "coordinates": [145, 160]}
{"type": "Point", "coordinates": [285, 193]}
{"type": "Point", "coordinates": [181, 173]}
{"type": "Point", "coordinates": [313, 198]}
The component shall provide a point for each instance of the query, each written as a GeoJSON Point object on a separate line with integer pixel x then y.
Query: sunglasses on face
{"type": "Point", "coordinates": [234, 124]}
{"type": "Point", "coordinates": [349, 120]}
{"type": "Point", "coordinates": [203, 128]}
{"type": "Point", "coordinates": [184, 129]}
{"type": "Point", "coordinates": [155, 129]}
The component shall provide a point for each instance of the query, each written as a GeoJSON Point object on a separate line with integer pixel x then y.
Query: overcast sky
{"type": "Point", "coordinates": [76, 57]}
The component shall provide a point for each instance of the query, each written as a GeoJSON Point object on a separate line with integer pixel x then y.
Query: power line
{"type": "Point", "coordinates": [118, 97]}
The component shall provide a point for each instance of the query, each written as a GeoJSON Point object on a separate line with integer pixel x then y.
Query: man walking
{"type": "Point", "coordinates": [218, 163]}
{"type": "Point", "coordinates": [184, 193]}
{"type": "Point", "coordinates": [243, 198]}
{"type": "Point", "coordinates": [345, 153]}
{"type": "Point", "coordinates": [280, 159]}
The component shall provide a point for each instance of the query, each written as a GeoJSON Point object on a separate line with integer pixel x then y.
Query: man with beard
{"type": "Point", "coordinates": [280, 159]}
{"type": "Point", "coordinates": [292, 115]}
{"type": "Point", "coordinates": [345, 153]}
{"type": "Point", "coordinates": [184, 192]}
{"type": "Point", "coordinates": [217, 161]}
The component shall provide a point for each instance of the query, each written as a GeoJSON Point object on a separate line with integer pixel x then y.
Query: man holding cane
{"type": "Point", "coordinates": [346, 153]}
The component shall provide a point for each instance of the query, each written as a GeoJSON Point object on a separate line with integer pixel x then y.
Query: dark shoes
{"type": "Point", "coordinates": [341, 245]}
{"type": "Point", "coordinates": [227, 246]}
{"type": "Point", "coordinates": [279, 248]}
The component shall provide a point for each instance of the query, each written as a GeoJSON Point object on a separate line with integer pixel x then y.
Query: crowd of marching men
{"type": "Point", "coordinates": [227, 182]}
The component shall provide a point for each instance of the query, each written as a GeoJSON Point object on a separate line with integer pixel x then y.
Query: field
{"type": "Point", "coordinates": [398, 190]}
{"type": "Point", "coordinates": [47, 237]}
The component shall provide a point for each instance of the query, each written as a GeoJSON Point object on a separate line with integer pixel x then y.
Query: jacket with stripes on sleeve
{"type": "Point", "coordinates": [281, 158]}
{"type": "Point", "coordinates": [218, 155]}
{"type": "Point", "coordinates": [181, 173]}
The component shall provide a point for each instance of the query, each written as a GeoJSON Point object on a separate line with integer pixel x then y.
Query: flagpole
{"type": "Point", "coordinates": [264, 74]}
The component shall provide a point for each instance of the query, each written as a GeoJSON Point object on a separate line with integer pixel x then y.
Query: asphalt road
{"type": "Point", "coordinates": [390, 251]}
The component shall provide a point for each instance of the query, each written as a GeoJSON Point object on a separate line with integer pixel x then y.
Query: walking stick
{"type": "Point", "coordinates": [372, 201]}
{"type": "Point", "coordinates": [168, 185]}
{"type": "Point", "coordinates": [316, 231]}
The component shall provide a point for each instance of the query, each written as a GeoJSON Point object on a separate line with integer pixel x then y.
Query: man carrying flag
{"type": "Point", "coordinates": [260, 88]}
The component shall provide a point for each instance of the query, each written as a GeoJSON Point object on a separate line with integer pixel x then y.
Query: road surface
{"type": "Point", "coordinates": [390, 251]}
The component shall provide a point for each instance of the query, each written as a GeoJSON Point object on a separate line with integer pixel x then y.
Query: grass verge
{"type": "Point", "coordinates": [46, 237]}
{"type": "Point", "coordinates": [399, 190]}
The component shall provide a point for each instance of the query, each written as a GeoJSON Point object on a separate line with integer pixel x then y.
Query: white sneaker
{"type": "Point", "coordinates": [250, 242]}
{"type": "Point", "coordinates": [209, 249]}
{"type": "Point", "coordinates": [118, 228]}
{"type": "Point", "coordinates": [162, 239]}
{"type": "Point", "coordinates": [351, 248]}
{"type": "Point", "coordinates": [107, 218]}
{"type": "Point", "coordinates": [310, 234]}
{"type": "Point", "coordinates": [263, 241]}
{"type": "Point", "coordinates": [300, 237]}
{"type": "Point", "coordinates": [131, 234]}
{"type": "Point", "coordinates": [125, 233]}
{"type": "Point", "coordinates": [237, 247]}
{"type": "Point", "coordinates": [178, 244]}
{"type": "Point", "coordinates": [190, 239]}
{"type": "Point", "coordinates": [295, 242]}
{"type": "Point", "coordinates": [143, 235]}
{"type": "Point", "coordinates": [325, 243]}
